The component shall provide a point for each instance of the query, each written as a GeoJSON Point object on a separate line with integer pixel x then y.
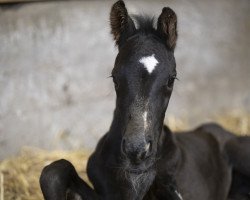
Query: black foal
{"type": "Point", "coordinates": [140, 158]}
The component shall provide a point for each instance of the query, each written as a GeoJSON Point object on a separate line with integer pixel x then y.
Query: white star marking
{"type": "Point", "coordinates": [149, 63]}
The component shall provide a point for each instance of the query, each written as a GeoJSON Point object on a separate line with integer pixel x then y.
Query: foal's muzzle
{"type": "Point", "coordinates": [136, 149]}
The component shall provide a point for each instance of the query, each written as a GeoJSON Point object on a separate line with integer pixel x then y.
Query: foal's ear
{"type": "Point", "coordinates": [122, 26]}
{"type": "Point", "coordinates": [167, 27]}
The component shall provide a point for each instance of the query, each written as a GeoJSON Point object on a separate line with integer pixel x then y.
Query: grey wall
{"type": "Point", "coordinates": [55, 58]}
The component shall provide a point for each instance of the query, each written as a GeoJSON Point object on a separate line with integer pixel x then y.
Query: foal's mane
{"type": "Point", "coordinates": [145, 25]}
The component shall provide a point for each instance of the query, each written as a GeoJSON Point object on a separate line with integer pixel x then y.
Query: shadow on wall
{"type": "Point", "coordinates": [55, 58]}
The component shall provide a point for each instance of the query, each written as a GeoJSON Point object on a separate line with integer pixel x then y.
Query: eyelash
{"type": "Point", "coordinates": [115, 82]}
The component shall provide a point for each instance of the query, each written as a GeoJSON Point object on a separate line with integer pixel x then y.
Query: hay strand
{"type": "Point", "coordinates": [21, 174]}
{"type": "Point", "coordinates": [1, 186]}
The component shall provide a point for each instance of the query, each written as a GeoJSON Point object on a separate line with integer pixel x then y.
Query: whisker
{"type": "Point", "coordinates": [110, 76]}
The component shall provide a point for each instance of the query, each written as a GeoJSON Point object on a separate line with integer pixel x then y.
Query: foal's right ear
{"type": "Point", "coordinates": [122, 26]}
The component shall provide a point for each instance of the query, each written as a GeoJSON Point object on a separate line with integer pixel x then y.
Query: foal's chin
{"type": "Point", "coordinates": [139, 178]}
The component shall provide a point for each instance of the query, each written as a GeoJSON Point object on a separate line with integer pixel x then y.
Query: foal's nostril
{"type": "Point", "coordinates": [146, 151]}
{"type": "Point", "coordinates": [142, 156]}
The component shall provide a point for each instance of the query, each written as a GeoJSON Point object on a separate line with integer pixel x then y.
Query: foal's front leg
{"type": "Point", "coordinates": [238, 152]}
{"type": "Point", "coordinates": [60, 179]}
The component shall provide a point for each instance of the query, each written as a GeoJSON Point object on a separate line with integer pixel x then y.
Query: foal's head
{"type": "Point", "coordinates": [143, 75]}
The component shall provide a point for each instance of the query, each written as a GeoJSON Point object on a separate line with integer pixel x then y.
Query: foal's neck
{"type": "Point", "coordinates": [169, 151]}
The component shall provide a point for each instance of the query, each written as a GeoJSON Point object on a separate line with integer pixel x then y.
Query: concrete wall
{"type": "Point", "coordinates": [55, 58]}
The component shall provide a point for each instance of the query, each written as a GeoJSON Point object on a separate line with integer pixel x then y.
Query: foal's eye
{"type": "Point", "coordinates": [171, 81]}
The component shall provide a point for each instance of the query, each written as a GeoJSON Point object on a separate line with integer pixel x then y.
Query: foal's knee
{"type": "Point", "coordinates": [55, 171]}
{"type": "Point", "coordinates": [54, 179]}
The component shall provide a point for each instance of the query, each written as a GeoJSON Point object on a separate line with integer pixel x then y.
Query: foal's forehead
{"type": "Point", "coordinates": [145, 55]}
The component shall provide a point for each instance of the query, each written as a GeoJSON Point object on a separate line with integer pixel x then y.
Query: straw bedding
{"type": "Point", "coordinates": [19, 175]}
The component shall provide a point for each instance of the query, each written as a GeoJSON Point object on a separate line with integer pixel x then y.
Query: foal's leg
{"type": "Point", "coordinates": [238, 151]}
{"type": "Point", "coordinates": [60, 179]}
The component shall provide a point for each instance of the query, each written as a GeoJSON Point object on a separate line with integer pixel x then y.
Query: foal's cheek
{"type": "Point", "coordinates": [167, 91]}
{"type": "Point", "coordinates": [165, 101]}
{"type": "Point", "coordinates": [168, 94]}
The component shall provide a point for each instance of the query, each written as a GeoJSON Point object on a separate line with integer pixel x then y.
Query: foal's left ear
{"type": "Point", "coordinates": [167, 27]}
{"type": "Point", "coordinates": [122, 26]}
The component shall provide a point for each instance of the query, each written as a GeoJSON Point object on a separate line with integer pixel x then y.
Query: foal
{"type": "Point", "coordinates": [140, 158]}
